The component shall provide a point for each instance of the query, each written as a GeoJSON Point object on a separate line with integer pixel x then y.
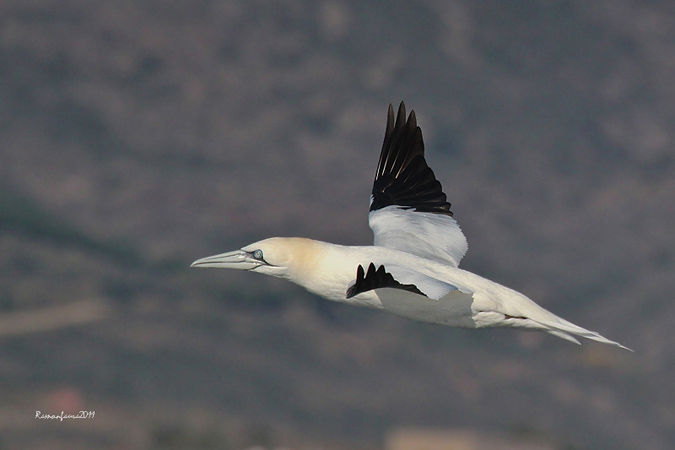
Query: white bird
{"type": "Point", "coordinates": [412, 268]}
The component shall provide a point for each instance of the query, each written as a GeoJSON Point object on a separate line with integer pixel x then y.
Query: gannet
{"type": "Point", "coordinates": [412, 270]}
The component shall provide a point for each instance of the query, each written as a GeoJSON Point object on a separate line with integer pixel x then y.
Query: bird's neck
{"type": "Point", "coordinates": [323, 268]}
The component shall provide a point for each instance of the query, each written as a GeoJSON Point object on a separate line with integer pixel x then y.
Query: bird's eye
{"type": "Point", "coordinates": [258, 254]}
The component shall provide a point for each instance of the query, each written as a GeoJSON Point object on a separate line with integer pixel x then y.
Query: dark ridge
{"type": "Point", "coordinates": [403, 177]}
{"type": "Point", "coordinates": [376, 279]}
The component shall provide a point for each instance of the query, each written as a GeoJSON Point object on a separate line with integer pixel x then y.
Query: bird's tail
{"type": "Point", "coordinates": [535, 317]}
{"type": "Point", "coordinates": [567, 330]}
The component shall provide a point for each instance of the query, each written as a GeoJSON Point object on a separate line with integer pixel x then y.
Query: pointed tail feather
{"type": "Point", "coordinates": [564, 329]}
{"type": "Point", "coordinates": [562, 335]}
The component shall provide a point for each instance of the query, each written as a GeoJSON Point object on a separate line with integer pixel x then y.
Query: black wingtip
{"type": "Point", "coordinates": [377, 279]}
{"type": "Point", "coordinates": [390, 120]}
{"type": "Point", "coordinates": [403, 177]}
{"type": "Point", "coordinates": [412, 120]}
{"type": "Point", "coordinates": [400, 117]}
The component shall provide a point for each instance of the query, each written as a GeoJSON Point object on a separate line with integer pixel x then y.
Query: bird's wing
{"type": "Point", "coordinates": [395, 276]}
{"type": "Point", "coordinates": [408, 209]}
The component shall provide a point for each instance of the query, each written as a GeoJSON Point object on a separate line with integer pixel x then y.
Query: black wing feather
{"type": "Point", "coordinates": [376, 279]}
{"type": "Point", "coordinates": [403, 177]}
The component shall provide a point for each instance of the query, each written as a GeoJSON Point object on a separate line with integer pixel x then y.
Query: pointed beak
{"type": "Point", "coordinates": [238, 259]}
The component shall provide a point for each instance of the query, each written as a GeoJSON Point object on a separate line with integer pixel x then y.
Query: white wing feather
{"type": "Point", "coordinates": [428, 235]}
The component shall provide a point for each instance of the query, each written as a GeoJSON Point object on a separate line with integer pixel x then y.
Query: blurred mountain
{"type": "Point", "coordinates": [136, 137]}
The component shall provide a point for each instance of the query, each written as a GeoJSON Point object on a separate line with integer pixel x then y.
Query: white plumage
{"type": "Point", "coordinates": [412, 269]}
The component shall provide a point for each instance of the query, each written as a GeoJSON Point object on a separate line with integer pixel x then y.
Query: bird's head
{"type": "Point", "coordinates": [274, 256]}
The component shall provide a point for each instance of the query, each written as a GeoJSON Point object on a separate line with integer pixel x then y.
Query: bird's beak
{"type": "Point", "coordinates": [238, 259]}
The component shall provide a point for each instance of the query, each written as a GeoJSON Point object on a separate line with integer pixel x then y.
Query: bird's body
{"type": "Point", "coordinates": [412, 270]}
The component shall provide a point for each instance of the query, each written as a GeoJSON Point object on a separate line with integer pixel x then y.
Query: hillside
{"type": "Point", "coordinates": [136, 137]}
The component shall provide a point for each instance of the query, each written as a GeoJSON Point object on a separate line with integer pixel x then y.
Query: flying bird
{"type": "Point", "coordinates": [412, 270]}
